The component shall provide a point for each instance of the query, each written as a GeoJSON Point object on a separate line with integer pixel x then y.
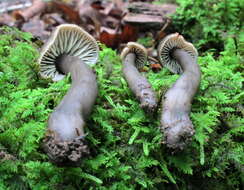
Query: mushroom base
{"type": "Point", "coordinates": [178, 133]}
{"type": "Point", "coordinates": [139, 85]}
{"type": "Point", "coordinates": [65, 153]}
{"type": "Point", "coordinates": [5, 156]}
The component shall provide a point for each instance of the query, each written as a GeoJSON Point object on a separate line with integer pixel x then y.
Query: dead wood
{"type": "Point", "coordinates": [11, 5]}
{"type": "Point", "coordinates": [37, 7]}
{"type": "Point", "coordinates": [148, 15]}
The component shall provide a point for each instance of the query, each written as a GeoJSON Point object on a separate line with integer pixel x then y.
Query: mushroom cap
{"type": "Point", "coordinates": [169, 43]}
{"type": "Point", "coordinates": [67, 39]}
{"type": "Point", "coordinates": [139, 51]}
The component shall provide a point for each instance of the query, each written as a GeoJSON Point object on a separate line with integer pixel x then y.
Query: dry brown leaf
{"type": "Point", "coordinates": [108, 9]}
{"type": "Point", "coordinates": [161, 34]}
{"type": "Point", "coordinates": [109, 37]}
{"type": "Point", "coordinates": [70, 14]}
{"type": "Point", "coordinates": [119, 3]}
{"type": "Point", "coordinates": [36, 27]}
{"type": "Point", "coordinates": [156, 67]}
{"type": "Point", "coordinates": [89, 15]}
{"type": "Point", "coordinates": [53, 19]}
{"type": "Point", "coordinates": [6, 19]}
{"type": "Point", "coordinates": [129, 33]}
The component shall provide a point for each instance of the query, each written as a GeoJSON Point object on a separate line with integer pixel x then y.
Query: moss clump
{"type": "Point", "coordinates": [126, 147]}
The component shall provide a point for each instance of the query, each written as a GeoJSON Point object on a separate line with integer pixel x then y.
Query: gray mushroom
{"type": "Point", "coordinates": [134, 57]}
{"type": "Point", "coordinates": [180, 57]}
{"type": "Point", "coordinates": [69, 50]}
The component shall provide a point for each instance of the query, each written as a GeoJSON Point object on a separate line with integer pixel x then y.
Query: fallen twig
{"type": "Point", "coordinates": [11, 5]}
{"type": "Point", "coordinates": [37, 7]}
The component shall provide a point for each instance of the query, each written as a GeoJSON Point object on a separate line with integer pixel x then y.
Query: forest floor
{"type": "Point", "coordinates": [126, 145]}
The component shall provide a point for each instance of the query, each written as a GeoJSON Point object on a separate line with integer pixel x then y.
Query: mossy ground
{"type": "Point", "coordinates": [127, 151]}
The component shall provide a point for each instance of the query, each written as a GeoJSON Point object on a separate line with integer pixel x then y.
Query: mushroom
{"type": "Point", "coordinates": [179, 56]}
{"type": "Point", "coordinates": [69, 50]}
{"type": "Point", "coordinates": [134, 57]}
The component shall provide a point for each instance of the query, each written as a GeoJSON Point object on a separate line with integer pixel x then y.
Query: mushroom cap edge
{"type": "Point", "coordinates": [139, 50]}
{"type": "Point", "coordinates": [74, 35]}
{"type": "Point", "coordinates": [174, 41]}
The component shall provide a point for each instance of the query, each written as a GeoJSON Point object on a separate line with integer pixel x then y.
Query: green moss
{"type": "Point", "coordinates": [208, 23]}
{"type": "Point", "coordinates": [126, 144]}
{"type": "Point", "coordinates": [146, 41]}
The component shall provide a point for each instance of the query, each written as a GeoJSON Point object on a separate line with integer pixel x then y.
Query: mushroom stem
{"type": "Point", "coordinates": [175, 120]}
{"type": "Point", "coordinates": [139, 84]}
{"type": "Point", "coordinates": [65, 125]}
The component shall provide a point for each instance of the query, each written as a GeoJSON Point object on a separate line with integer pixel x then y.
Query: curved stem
{"type": "Point", "coordinates": [67, 121]}
{"type": "Point", "coordinates": [175, 120]}
{"type": "Point", "coordinates": [68, 118]}
{"type": "Point", "coordinates": [139, 84]}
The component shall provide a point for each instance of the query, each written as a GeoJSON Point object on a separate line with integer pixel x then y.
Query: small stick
{"type": "Point", "coordinates": [37, 7]}
{"type": "Point", "coordinates": [6, 7]}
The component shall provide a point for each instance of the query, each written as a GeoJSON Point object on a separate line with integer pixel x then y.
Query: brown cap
{"type": "Point", "coordinates": [169, 43]}
{"type": "Point", "coordinates": [140, 52]}
{"type": "Point", "coordinates": [67, 39]}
